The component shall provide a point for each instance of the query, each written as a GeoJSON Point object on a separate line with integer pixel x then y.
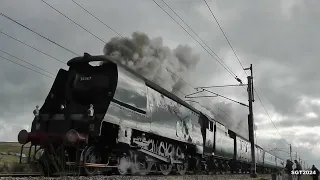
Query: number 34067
{"type": "Point", "coordinates": [85, 78]}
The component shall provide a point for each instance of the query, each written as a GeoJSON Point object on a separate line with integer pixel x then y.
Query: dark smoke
{"type": "Point", "coordinates": [156, 62]}
{"type": "Point", "coordinates": [151, 59]}
{"type": "Point", "coordinates": [234, 117]}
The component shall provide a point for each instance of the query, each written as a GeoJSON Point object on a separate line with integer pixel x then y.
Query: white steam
{"type": "Point", "coordinates": [156, 62]}
{"type": "Point", "coordinates": [124, 165]}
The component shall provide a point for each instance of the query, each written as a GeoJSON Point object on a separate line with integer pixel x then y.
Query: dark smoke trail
{"type": "Point", "coordinates": [154, 61]}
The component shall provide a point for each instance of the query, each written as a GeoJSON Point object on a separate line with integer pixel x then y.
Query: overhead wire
{"type": "Point", "coordinates": [230, 85]}
{"type": "Point", "coordinates": [98, 19]}
{"type": "Point", "coordinates": [26, 62]}
{"type": "Point", "coordinates": [225, 36]}
{"type": "Point", "coordinates": [31, 47]}
{"type": "Point", "coordinates": [242, 67]}
{"type": "Point", "coordinates": [202, 94]}
{"type": "Point", "coordinates": [73, 21]}
{"type": "Point", "coordinates": [271, 119]}
{"type": "Point", "coordinates": [230, 72]}
{"type": "Point", "coordinates": [216, 95]}
{"type": "Point", "coordinates": [33, 31]}
{"type": "Point", "coordinates": [198, 37]}
{"type": "Point", "coordinates": [25, 67]}
{"type": "Point", "coordinates": [234, 75]}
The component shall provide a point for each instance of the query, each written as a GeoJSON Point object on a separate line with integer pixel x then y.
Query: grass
{"type": "Point", "coordinates": [10, 163]}
{"type": "Point", "coordinates": [10, 147]}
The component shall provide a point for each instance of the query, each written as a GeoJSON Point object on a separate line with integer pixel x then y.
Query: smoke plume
{"type": "Point", "coordinates": [233, 116]}
{"type": "Point", "coordinates": [150, 58]}
{"type": "Point", "coordinates": [153, 60]}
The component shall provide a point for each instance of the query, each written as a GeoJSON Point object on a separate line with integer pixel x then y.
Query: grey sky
{"type": "Point", "coordinates": [280, 39]}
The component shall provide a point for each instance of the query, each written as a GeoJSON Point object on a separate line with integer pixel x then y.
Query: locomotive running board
{"type": "Point", "coordinates": [167, 160]}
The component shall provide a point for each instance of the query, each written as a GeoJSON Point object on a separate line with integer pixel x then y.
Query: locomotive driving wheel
{"type": "Point", "coordinates": [181, 168]}
{"type": "Point", "coordinates": [124, 162]}
{"type": "Point", "coordinates": [141, 165]}
{"type": "Point", "coordinates": [165, 150]}
{"type": "Point", "coordinates": [91, 156]}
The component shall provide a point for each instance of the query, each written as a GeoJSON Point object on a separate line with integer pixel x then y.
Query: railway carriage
{"type": "Point", "coordinates": [224, 147]}
{"type": "Point", "coordinates": [259, 152]}
{"type": "Point", "coordinates": [135, 122]}
{"type": "Point", "coordinates": [269, 161]}
{"type": "Point", "coordinates": [243, 153]}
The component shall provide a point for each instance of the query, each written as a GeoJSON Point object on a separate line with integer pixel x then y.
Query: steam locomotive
{"type": "Point", "coordinates": [137, 127]}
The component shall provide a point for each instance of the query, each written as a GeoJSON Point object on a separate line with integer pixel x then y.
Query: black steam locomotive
{"type": "Point", "coordinates": [137, 127]}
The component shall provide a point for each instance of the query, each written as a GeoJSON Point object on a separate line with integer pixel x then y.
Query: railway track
{"type": "Point", "coordinates": [133, 177]}
{"type": "Point", "coordinates": [20, 174]}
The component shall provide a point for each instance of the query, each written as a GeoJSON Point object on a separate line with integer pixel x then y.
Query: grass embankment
{"type": "Point", "coordinates": [9, 162]}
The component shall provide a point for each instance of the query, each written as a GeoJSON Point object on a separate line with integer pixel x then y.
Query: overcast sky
{"type": "Point", "coordinates": [279, 37]}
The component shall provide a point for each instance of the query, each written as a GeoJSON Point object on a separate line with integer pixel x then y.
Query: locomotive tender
{"type": "Point", "coordinates": [137, 127]}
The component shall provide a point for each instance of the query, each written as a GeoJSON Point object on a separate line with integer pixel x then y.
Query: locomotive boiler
{"type": "Point", "coordinates": [135, 127]}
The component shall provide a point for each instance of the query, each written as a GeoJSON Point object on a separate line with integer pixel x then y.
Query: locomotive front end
{"type": "Point", "coordinates": [74, 108]}
{"type": "Point", "coordinates": [89, 92]}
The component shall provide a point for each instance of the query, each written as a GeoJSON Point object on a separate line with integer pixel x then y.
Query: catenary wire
{"type": "Point", "coordinates": [228, 69]}
{"type": "Point", "coordinates": [31, 47]}
{"type": "Point", "coordinates": [73, 21]}
{"type": "Point", "coordinates": [225, 36]}
{"type": "Point", "coordinates": [241, 65]}
{"type": "Point", "coordinates": [25, 67]}
{"type": "Point", "coordinates": [26, 62]}
{"type": "Point", "coordinates": [198, 37]}
{"type": "Point", "coordinates": [39, 34]}
{"type": "Point", "coordinates": [202, 94]}
{"type": "Point", "coordinates": [98, 19]}
{"type": "Point", "coordinates": [271, 119]}
{"type": "Point", "coordinates": [231, 73]}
